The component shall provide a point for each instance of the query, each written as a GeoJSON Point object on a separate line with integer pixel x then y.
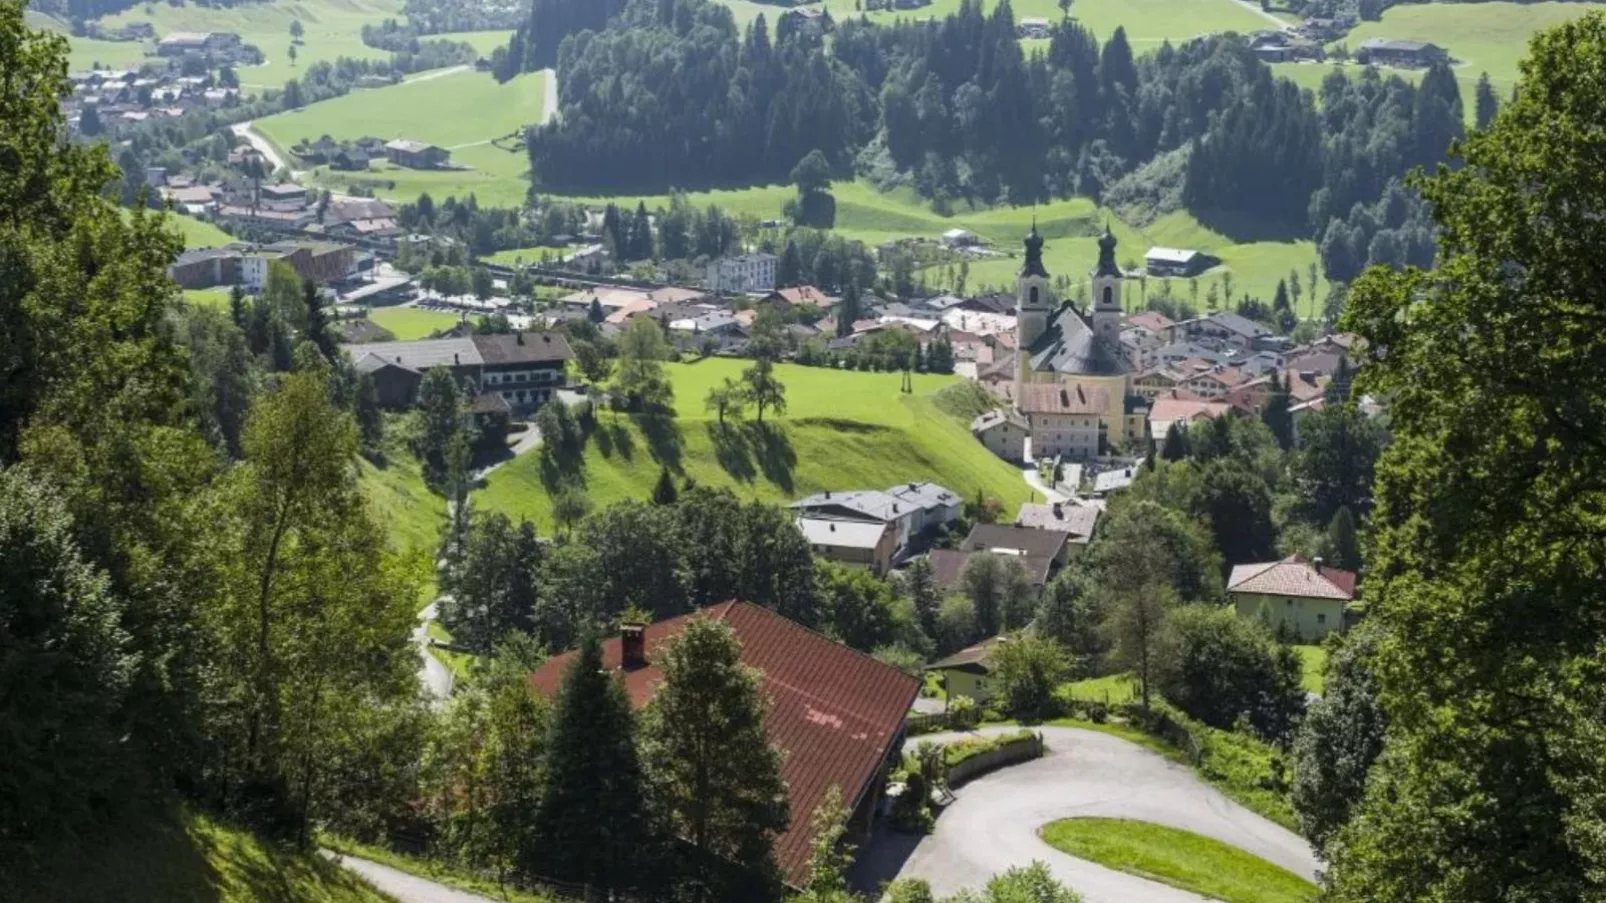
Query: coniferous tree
{"type": "Point", "coordinates": [1488, 104]}
{"type": "Point", "coordinates": [709, 759]}
{"type": "Point", "coordinates": [1275, 414]}
{"type": "Point", "coordinates": [664, 492]}
{"type": "Point", "coordinates": [592, 822]}
{"type": "Point", "coordinates": [1343, 544]}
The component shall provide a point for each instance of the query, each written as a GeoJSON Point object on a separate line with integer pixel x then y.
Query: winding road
{"type": "Point", "coordinates": [247, 130]}
{"type": "Point", "coordinates": [992, 825]}
{"type": "Point", "coordinates": [433, 674]}
{"type": "Point", "coordinates": [404, 887]}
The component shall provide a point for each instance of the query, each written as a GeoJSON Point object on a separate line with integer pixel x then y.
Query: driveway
{"type": "Point", "coordinates": [432, 673]}
{"type": "Point", "coordinates": [992, 825]}
{"type": "Point", "coordinates": [404, 887]}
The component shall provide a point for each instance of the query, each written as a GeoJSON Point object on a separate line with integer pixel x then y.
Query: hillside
{"type": "Point", "coordinates": [843, 430]}
{"type": "Point", "coordinates": [190, 859]}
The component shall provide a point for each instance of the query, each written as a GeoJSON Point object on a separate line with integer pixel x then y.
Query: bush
{"type": "Point", "coordinates": [1228, 669]}
{"type": "Point", "coordinates": [1028, 667]}
{"type": "Point", "coordinates": [963, 713]}
{"type": "Point", "coordinates": [1097, 712]}
{"type": "Point", "coordinates": [969, 748]}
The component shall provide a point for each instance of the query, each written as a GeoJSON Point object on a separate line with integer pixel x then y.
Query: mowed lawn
{"type": "Point", "coordinates": [842, 430]}
{"type": "Point", "coordinates": [460, 111]}
{"type": "Point", "coordinates": [1179, 858]}
{"type": "Point", "coordinates": [1312, 668]}
{"type": "Point", "coordinates": [408, 323]}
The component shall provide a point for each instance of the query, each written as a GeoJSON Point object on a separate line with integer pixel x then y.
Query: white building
{"type": "Point", "coordinates": [748, 273]}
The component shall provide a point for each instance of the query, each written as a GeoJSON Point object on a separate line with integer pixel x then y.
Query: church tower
{"type": "Point", "coordinates": [1106, 316]}
{"type": "Point", "coordinates": [1034, 299]}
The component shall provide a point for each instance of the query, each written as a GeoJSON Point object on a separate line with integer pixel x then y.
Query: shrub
{"type": "Point", "coordinates": [963, 713]}
{"type": "Point", "coordinates": [1230, 670]}
{"type": "Point", "coordinates": [1097, 712]}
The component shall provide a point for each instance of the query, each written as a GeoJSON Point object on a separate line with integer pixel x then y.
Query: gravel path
{"type": "Point", "coordinates": [404, 887]}
{"type": "Point", "coordinates": [993, 824]}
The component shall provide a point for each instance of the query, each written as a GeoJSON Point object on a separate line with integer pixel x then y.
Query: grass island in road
{"type": "Point", "coordinates": [1181, 859]}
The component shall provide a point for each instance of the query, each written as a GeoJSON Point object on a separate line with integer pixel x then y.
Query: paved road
{"type": "Point", "coordinates": [435, 676]}
{"type": "Point", "coordinates": [404, 887]}
{"type": "Point", "coordinates": [549, 106]}
{"type": "Point", "coordinates": [1035, 480]}
{"type": "Point", "coordinates": [993, 824]}
{"type": "Point", "coordinates": [265, 147]}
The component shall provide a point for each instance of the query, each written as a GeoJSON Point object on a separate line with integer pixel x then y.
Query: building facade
{"type": "Point", "coordinates": [747, 273]}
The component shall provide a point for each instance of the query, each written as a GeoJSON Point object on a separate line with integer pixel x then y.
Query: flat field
{"type": "Point", "coordinates": [842, 430]}
{"type": "Point", "coordinates": [462, 111]}
{"type": "Point", "coordinates": [408, 323]}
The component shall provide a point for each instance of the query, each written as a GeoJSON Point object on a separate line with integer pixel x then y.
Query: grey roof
{"type": "Point", "coordinates": [867, 503]}
{"type": "Point", "coordinates": [848, 534]}
{"type": "Point", "coordinates": [1065, 517]}
{"type": "Point", "coordinates": [1171, 255]}
{"type": "Point", "coordinates": [926, 495]}
{"type": "Point", "coordinates": [942, 302]}
{"type": "Point", "coordinates": [1111, 480]}
{"type": "Point", "coordinates": [1396, 45]}
{"type": "Point", "coordinates": [368, 362]}
{"type": "Point", "coordinates": [423, 355]}
{"type": "Point", "coordinates": [1069, 346]}
{"type": "Point", "coordinates": [522, 348]}
{"type": "Point", "coordinates": [996, 418]}
{"type": "Point", "coordinates": [199, 254]}
{"type": "Point", "coordinates": [1238, 323]}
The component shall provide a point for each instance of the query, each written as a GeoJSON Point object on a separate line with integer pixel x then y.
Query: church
{"type": "Point", "coordinates": [1073, 385]}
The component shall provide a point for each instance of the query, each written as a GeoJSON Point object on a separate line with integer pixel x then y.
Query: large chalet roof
{"type": "Point", "coordinates": [1068, 346]}
{"type": "Point", "coordinates": [471, 351]}
{"type": "Point", "coordinates": [834, 712]}
{"type": "Point", "coordinates": [1293, 576]}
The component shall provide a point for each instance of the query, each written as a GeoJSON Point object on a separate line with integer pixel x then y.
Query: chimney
{"type": "Point", "coordinates": [1317, 563]}
{"type": "Point", "coordinates": [832, 527]}
{"type": "Point", "coordinates": [632, 646]}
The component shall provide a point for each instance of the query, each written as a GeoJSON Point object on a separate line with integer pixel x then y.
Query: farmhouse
{"type": "Point", "coordinates": [1065, 420]}
{"type": "Point", "coordinates": [1032, 27]}
{"type": "Point", "coordinates": [836, 715]}
{"type": "Point", "coordinates": [183, 43]}
{"type": "Point", "coordinates": [1024, 542]}
{"type": "Point", "coordinates": [1294, 597]}
{"type": "Point", "coordinates": [416, 154]}
{"type": "Point", "coordinates": [1075, 520]}
{"type": "Point", "coordinates": [962, 238]}
{"type": "Point", "coordinates": [1387, 52]}
{"type": "Point", "coordinates": [968, 671]}
{"type": "Point", "coordinates": [1175, 262]}
{"type": "Point", "coordinates": [522, 369]}
{"type": "Point", "coordinates": [856, 543]}
{"type": "Point", "coordinates": [1003, 433]}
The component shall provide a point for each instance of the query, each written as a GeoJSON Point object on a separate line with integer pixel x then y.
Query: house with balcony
{"type": "Point", "coordinates": [521, 370]}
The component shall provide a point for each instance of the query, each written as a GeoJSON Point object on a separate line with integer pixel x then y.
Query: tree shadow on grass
{"type": "Point", "coordinates": [746, 449]}
{"type": "Point", "coordinates": [663, 438]}
{"type": "Point", "coordinates": [559, 470]}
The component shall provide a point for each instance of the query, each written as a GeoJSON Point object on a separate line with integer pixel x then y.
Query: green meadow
{"type": "Point", "coordinates": [463, 112]}
{"type": "Point", "coordinates": [841, 430]}
{"type": "Point", "coordinates": [408, 323]}
{"type": "Point", "coordinates": [1179, 858]}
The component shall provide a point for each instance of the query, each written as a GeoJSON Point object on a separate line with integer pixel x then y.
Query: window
{"type": "Point", "coordinates": [1321, 619]}
{"type": "Point", "coordinates": [1034, 295]}
{"type": "Point", "coordinates": [1108, 294]}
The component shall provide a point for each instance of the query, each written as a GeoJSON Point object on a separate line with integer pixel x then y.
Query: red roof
{"type": "Point", "coordinates": [1292, 576]}
{"type": "Point", "coordinates": [834, 712]}
{"type": "Point", "coordinates": [806, 294]}
{"type": "Point", "coordinates": [1062, 398]}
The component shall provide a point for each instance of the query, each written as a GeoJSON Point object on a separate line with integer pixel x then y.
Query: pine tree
{"type": "Point", "coordinates": [1176, 443]}
{"type": "Point", "coordinates": [1343, 545]}
{"type": "Point", "coordinates": [710, 760]}
{"type": "Point", "coordinates": [1487, 102]}
{"type": "Point", "coordinates": [592, 821]}
{"type": "Point", "coordinates": [1279, 301]}
{"type": "Point", "coordinates": [1276, 415]}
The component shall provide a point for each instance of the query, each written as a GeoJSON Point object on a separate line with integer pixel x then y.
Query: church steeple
{"type": "Point", "coordinates": [1107, 265]}
{"type": "Point", "coordinates": [1034, 254]}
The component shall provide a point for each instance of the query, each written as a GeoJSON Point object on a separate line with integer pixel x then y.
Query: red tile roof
{"type": "Point", "coordinates": [1153, 321]}
{"type": "Point", "coordinates": [834, 712]}
{"type": "Point", "coordinates": [1293, 576]}
{"type": "Point", "coordinates": [806, 294]}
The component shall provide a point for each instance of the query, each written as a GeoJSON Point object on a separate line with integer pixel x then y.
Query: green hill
{"type": "Point", "coordinates": [188, 859]}
{"type": "Point", "coordinates": [842, 430]}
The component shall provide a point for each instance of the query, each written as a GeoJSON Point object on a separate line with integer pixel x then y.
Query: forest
{"type": "Point", "coordinates": [671, 94]}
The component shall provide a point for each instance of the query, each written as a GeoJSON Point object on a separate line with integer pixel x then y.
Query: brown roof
{"type": "Point", "coordinates": [1062, 398]}
{"type": "Point", "coordinates": [1152, 320]}
{"type": "Point", "coordinates": [1033, 543]}
{"type": "Point", "coordinates": [1292, 576]}
{"type": "Point", "coordinates": [806, 294]}
{"type": "Point", "coordinates": [971, 658]}
{"type": "Point", "coordinates": [523, 348]}
{"type": "Point", "coordinates": [834, 712]}
{"type": "Point", "coordinates": [948, 566]}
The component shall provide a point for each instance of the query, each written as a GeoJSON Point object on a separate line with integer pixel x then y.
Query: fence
{"type": "Point", "coordinates": [1007, 754]}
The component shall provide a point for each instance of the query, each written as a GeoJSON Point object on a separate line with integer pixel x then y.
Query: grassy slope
{"type": "Point", "coordinates": [1178, 858]}
{"type": "Point", "coordinates": [1312, 667]}
{"type": "Point", "coordinates": [843, 431]}
{"type": "Point", "coordinates": [1482, 37]}
{"type": "Point", "coordinates": [190, 859]}
{"type": "Point", "coordinates": [404, 506]}
{"type": "Point", "coordinates": [461, 111]}
{"type": "Point", "coordinates": [407, 323]}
